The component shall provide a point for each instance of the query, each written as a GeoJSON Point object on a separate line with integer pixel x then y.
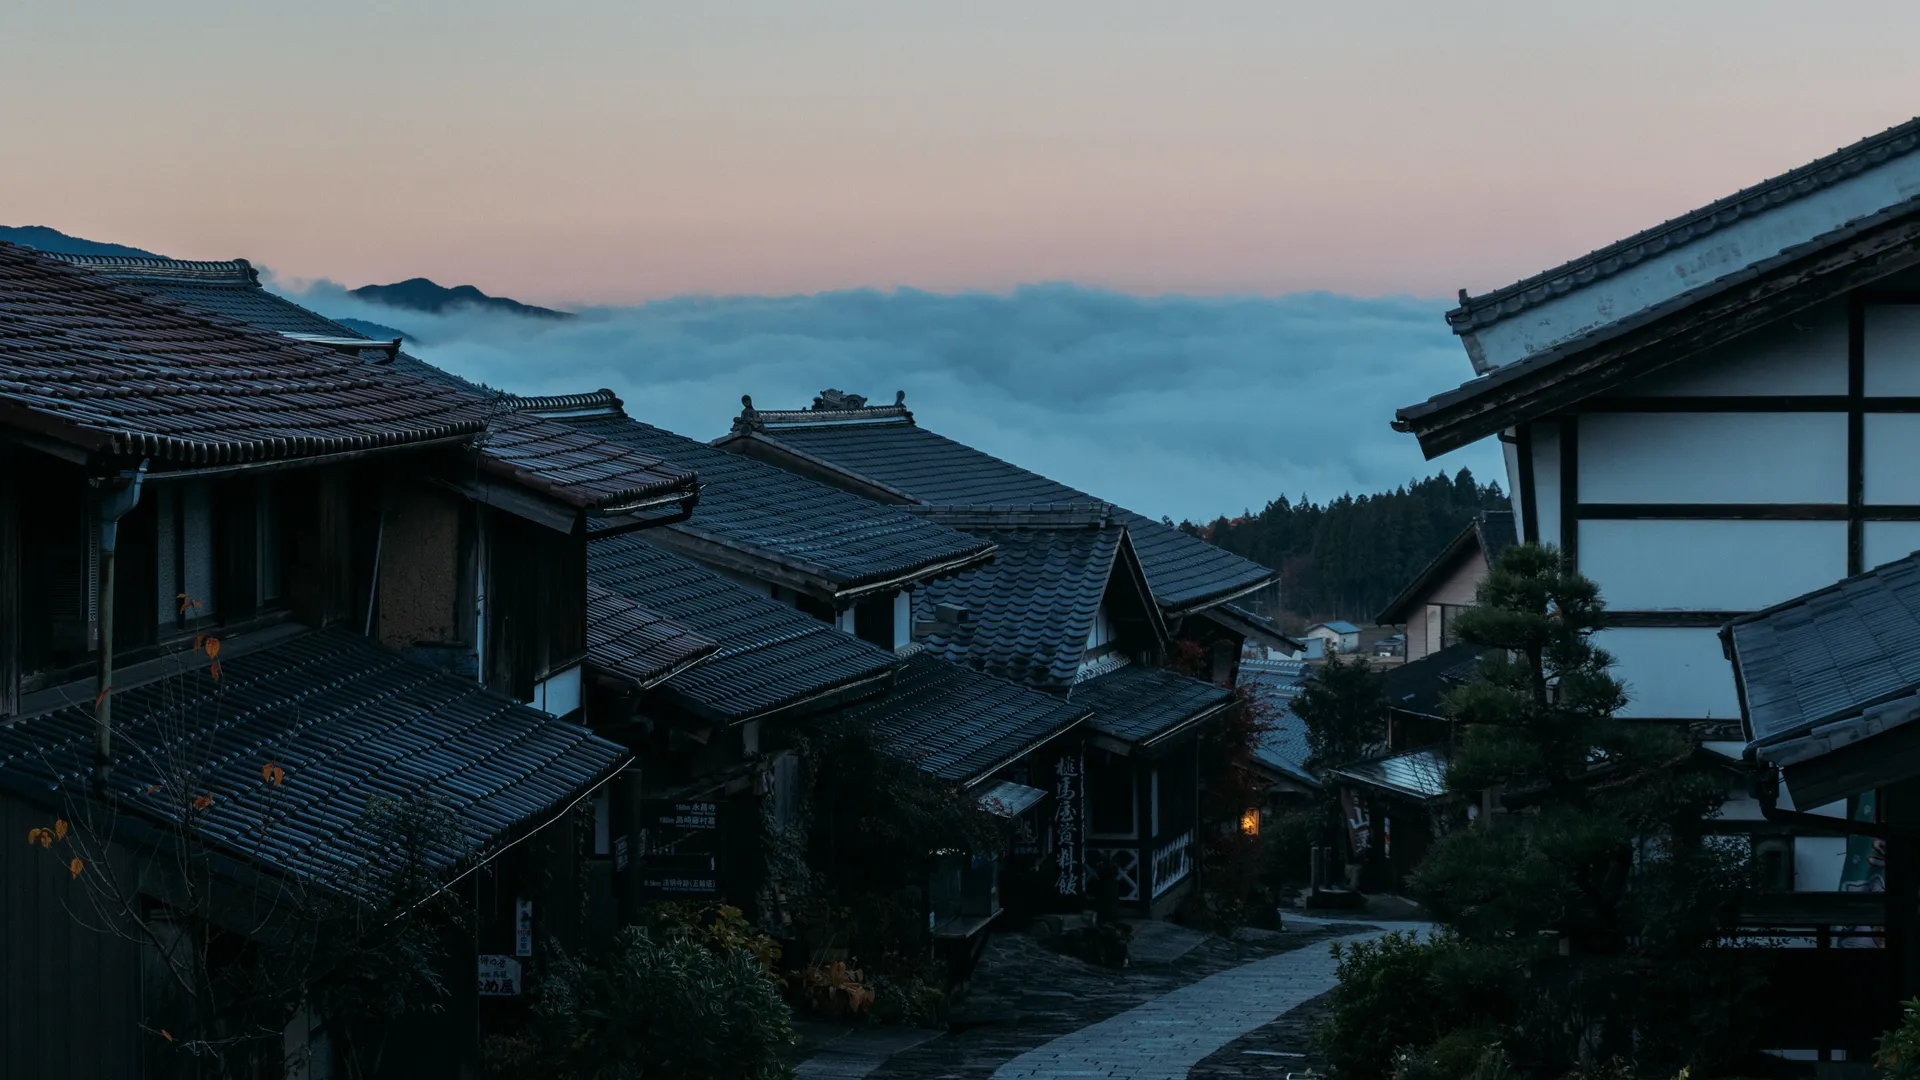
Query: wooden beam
{"type": "Point", "coordinates": [1529, 494]}
{"type": "Point", "coordinates": [1570, 488]}
{"type": "Point", "coordinates": [1856, 431]}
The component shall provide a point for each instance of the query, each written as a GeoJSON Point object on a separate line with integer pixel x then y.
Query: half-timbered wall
{"type": "Point", "coordinates": [1772, 465]}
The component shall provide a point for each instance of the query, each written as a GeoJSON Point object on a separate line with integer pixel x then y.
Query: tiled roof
{"type": "Point", "coordinates": [646, 647]}
{"type": "Point", "coordinates": [1418, 686]}
{"type": "Point", "coordinates": [1417, 774]}
{"type": "Point", "coordinates": [1842, 164]}
{"type": "Point", "coordinates": [884, 446]}
{"type": "Point", "coordinates": [771, 656]}
{"type": "Point", "coordinates": [764, 512]}
{"type": "Point", "coordinates": [86, 361]}
{"type": "Point", "coordinates": [347, 721]}
{"type": "Point", "coordinates": [1274, 684]}
{"type": "Point", "coordinates": [576, 468]}
{"type": "Point", "coordinates": [1836, 653]}
{"type": "Point", "coordinates": [1144, 705]}
{"type": "Point", "coordinates": [963, 725]}
{"type": "Point", "coordinates": [1029, 611]}
{"type": "Point", "coordinates": [579, 468]}
{"type": "Point", "coordinates": [1338, 626]}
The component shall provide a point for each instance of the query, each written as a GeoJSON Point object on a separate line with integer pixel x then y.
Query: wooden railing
{"type": "Point", "coordinates": [1172, 862]}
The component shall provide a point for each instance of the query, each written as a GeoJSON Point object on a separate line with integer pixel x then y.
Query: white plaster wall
{"type": "Point", "coordinates": [1890, 458]}
{"type": "Point", "coordinates": [1817, 862]}
{"type": "Point", "coordinates": [1546, 480]}
{"type": "Point", "coordinates": [1672, 672]}
{"type": "Point", "coordinates": [1713, 457]}
{"type": "Point", "coordinates": [1671, 273]}
{"type": "Point", "coordinates": [1801, 354]}
{"type": "Point", "coordinates": [1884, 541]}
{"type": "Point", "coordinates": [1892, 350]}
{"type": "Point", "coordinates": [1710, 565]}
{"type": "Point", "coordinates": [902, 619]}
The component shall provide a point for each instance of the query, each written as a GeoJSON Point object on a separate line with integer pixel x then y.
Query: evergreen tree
{"type": "Point", "coordinates": [1348, 558]}
{"type": "Point", "coordinates": [1344, 712]}
{"type": "Point", "coordinates": [1592, 904]}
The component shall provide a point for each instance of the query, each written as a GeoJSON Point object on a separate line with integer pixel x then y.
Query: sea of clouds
{"type": "Point", "coordinates": [1189, 407]}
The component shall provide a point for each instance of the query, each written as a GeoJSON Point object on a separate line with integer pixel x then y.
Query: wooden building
{"type": "Point", "coordinates": [1712, 417]}
{"type": "Point", "coordinates": [1447, 586]}
{"type": "Point", "coordinates": [248, 582]}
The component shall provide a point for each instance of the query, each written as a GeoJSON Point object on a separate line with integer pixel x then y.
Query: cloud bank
{"type": "Point", "coordinates": [1181, 406]}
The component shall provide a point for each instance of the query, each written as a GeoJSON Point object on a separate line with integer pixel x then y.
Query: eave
{"type": "Point", "coordinates": [1801, 277]}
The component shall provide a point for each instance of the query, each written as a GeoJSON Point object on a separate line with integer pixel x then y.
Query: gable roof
{"type": "Point", "coordinates": [771, 658]}
{"type": "Point", "coordinates": [809, 536]}
{"type": "Point", "coordinates": [89, 364]}
{"type": "Point", "coordinates": [347, 721]}
{"type": "Point", "coordinates": [963, 725]}
{"type": "Point", "coordinates": [882, 449]}
{"type": "Point", "coordinates": [1148, 706]}
{"type": "Point", "coordinates": [1666, 294]}
{"type": "Point", "coordinates": [1338, 626]}
{"type": "Point", "coordinates": [1487, 535]}
{"type": "Point", "coordinates": [644, 647]}
{"type": "Point", "coordinates": [1029, 612]}
{"type": "Point", "coordinates": [576, 469]}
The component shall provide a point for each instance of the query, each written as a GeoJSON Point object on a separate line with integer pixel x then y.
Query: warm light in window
{"type": "Point", "coordinates": [1250, 823]}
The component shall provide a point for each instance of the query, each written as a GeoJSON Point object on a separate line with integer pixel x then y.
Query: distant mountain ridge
{"type": "Point", "coordinates": [42, 238]}
{"type": "Point", "coordinates": [420, 294]}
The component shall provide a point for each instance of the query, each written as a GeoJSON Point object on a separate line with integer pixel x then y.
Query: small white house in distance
{"type": "Point", "coordinates": [1340, 636]}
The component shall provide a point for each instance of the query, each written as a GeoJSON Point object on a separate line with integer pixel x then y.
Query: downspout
{"type": "Point", "coordinates": [113, 504]}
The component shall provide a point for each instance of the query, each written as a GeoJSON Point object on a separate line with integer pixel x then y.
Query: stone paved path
{"type": "Point", "coordinates": [1165, 1037]}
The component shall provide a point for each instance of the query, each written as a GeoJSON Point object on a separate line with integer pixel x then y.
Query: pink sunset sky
{"type": "Point", "coordinates": [614, 152]}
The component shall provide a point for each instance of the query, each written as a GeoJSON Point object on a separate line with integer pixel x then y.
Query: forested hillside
{"type": "Point", "coordinates": [1349, 557]}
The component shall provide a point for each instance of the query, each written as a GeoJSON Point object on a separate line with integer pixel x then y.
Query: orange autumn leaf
{"type": "Point", "coordinates": [102, 695]}
{"type": "Point", "coordinates": [272, 774]}
{"type": "Point", "coordinates": [165, 1034]}
{"type": "Point", "coordinates": [59, 828]}
{"type": "Point", "coordinates": [151, 788]}
{"type": "Point", "coordinates": [76, 866]}
{"type": "Point", "coordinates": [203, 802]}
{"type": "Point", "coordinates": [213, 647]}
{"type": "Point", "coordinates": [214, 671]}
{"type": "Point", "coordinates": [34, 836]}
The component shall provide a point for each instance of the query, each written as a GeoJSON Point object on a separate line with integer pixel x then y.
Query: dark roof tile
{"type": "Point", "coordinates": [769, 513]}
{"type": "Point", "coordinates": [347, 720]}
{"type": "Point", "coordinates": [87, 361]}
{"type": "Point", "coordinates": [644, 646]}
{"type": "Point", "coordinates": [1145, 705]}
{"type": "Point", "coordinates": [883, 445]}
{"type": "Point", "coordinates": [962, 725]}
{"type": "Point", "coordinates": [771, 656]}
{"type": "Point", "coordinates": [1029, 611]}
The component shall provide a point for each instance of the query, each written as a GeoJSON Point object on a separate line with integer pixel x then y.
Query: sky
{"type": "Point", "coordinates": [779, 155]}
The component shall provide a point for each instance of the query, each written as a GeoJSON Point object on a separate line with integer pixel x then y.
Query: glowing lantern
{"type": "Point", "coordinates": [1250, 823]}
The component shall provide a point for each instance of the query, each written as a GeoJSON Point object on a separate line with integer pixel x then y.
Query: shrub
{"type": "Point", "coordinates": [1404, 1004]}
{"type": "Point", "coordinates": [1898, 1057]}
{"type": "Point", "coordinates": [660, 1008]}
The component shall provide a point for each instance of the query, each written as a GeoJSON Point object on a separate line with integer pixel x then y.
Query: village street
{"type": "Point", "coordinates": [1189, 1005]}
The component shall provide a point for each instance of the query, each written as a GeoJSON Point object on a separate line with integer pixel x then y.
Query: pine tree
{"type": "Point", "coordinates": [1594, 898]}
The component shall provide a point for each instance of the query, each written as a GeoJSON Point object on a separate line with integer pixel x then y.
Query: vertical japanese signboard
{"type": "Point", "coordinates": [523, 927]}
{"type": "Point", "coordinates": [1066, 824]}
{"type": "Point", "coordinates": [680, 852]}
